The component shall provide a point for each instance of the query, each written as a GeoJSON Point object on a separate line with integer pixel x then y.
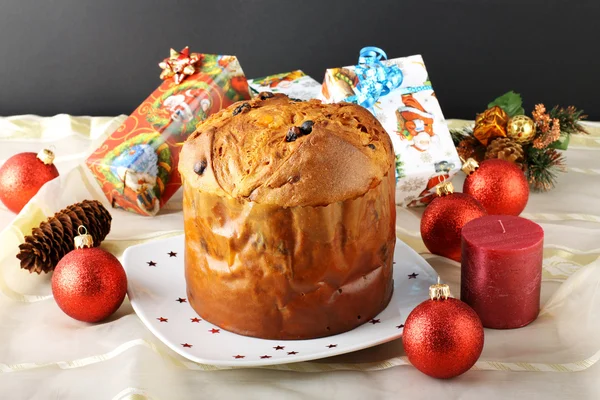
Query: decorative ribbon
{"type": "Point", "coordinates": [179, 362]}
{"type": "Point", "coordinates": [179, 65]}
{"type": "Point", "coordinates": [374, 78]}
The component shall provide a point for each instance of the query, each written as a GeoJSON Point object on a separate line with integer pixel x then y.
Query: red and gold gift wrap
{"type": "Point", "coordinates": [490, 124]}
{"type": "Point", "coordinates": [136, 166]}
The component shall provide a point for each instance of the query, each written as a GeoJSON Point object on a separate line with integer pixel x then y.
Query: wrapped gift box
{"type": "Point", "coordinates": [295, 84]}
{"type": "Point", "coordinates": [411, 114]}
{"type": "Point", "coordinates": [137, 164]}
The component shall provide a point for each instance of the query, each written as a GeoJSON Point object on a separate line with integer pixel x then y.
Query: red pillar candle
{"type": "Point", "coordinates": [502, 269]}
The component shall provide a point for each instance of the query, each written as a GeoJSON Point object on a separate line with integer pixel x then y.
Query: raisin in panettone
{"type": "Point", "coordinates": [289, 217]}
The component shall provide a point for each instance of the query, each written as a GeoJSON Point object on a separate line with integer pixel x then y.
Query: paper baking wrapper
{"type": "Point", "coordinates": [289, 273]}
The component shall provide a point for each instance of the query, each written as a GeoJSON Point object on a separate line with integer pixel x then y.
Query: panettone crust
{"type": "Point", "coordinates": [248, 157]}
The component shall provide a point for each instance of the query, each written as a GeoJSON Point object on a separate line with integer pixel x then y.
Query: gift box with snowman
{"type": "Point", "coordinates": [399, 93]}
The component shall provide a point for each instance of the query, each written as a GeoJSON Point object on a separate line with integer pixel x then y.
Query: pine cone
{"type": "Point", "coordinates": [506, 149]}
{"type": "Point", "coordinates": [471, 148]}
{"type": "Point", "coordinates": [53, 239]}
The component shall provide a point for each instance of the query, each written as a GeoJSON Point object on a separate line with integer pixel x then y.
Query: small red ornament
{"type": "Point", "coordinates": [23, 175]}
{"type": "Point", "coordinates": [499, 185]}
{"type": "Point", "coordinates": [444, 218]}
{"type": "Point", "coordinates": [443, 337]}
{"type": "Point", "coordinates": [89, 284]}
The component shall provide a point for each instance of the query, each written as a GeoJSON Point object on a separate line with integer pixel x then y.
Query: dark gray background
{"type": "Point", "coordinates": [100, 57]}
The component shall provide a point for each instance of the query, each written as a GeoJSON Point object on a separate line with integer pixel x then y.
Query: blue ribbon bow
{"type": "Point", "coordinates": [374, 78]}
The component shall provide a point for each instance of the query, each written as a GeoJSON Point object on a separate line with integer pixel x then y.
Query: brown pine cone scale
{"type": "Point", "coordinates": [506, 149]}
{"type": "Point", "coordinates": [53, 239]}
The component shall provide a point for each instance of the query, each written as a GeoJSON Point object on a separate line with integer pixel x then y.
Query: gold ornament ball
{"type": "Point", "coordinates": [521, 129]}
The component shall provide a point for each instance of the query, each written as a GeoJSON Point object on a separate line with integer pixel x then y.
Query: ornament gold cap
{"type": "Point", "coordinates": [470, 166]}
{"type": "Point", "coordinates": [439, 291]}
{"type": "Point", "coordinates": [445, 188]}
{"type": "Point", "coordinates": [46, 156]}
{"type": "Point", "coordinates": [83, 240]}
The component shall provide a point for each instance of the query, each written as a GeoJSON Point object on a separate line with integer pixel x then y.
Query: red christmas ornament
{"type": "Point", "coordinates": [444, 218]}
{"type": "Point", "coordinates": [443, 337]}
{"type": "Point", "coordinates": [23, 175]}
{"type": "Point", "coordinates": [499, 185]}
{"type": "Point", "coordinates": [89, 284]}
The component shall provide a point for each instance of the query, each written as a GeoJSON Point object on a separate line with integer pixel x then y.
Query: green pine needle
{"type": "Point", "coordinates": [458, 134]}
{"type": "Point", "coordinates": [569, 119]}
{"type": "Point", "coordinates": [543, 168]}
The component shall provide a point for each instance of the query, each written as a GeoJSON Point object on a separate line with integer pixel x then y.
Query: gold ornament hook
{"type": "Point", "coordinates": [439, 291]}
{"type": "Point", "coordinates": [445, 188]}
{"type": "Point", "coordinates": [46, 156]}
{"type": "Point", "coordinates": [470, 166]}
{"type": "Point", "coordinates": [83, 240]}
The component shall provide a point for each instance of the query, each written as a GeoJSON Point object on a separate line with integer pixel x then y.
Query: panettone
{"type": "Point", "coordinates": [289, 217]}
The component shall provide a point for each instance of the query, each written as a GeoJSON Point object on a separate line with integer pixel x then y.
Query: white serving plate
{"type": "Point", "coordinates": [156, 289]}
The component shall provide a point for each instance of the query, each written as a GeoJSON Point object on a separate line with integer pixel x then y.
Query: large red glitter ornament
{"type": "Point", "coordinates": [499, 185]}
{"type": "Point", "coordinates": [22, 175]}
{"type": "Point", "coordinates": [444, 218]}
{"type": "Point", "coordinates": [443, 337]}
{"type": "Point", "coordinates": [89, 284]}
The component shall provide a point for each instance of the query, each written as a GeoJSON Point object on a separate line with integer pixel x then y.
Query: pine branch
{"type": "Point", "coordinates": [458, 134]}
{"type": "Point", "coordinates": [569, 119]}
{"type": "Point", "coordinates": [543, 168]}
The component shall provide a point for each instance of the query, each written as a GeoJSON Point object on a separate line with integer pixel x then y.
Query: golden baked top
{"type": "Point", "coordinates": [275, 150]}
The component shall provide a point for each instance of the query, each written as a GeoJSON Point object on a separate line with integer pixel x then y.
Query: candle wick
{"type": "Point", "coordinates": [502, 225]}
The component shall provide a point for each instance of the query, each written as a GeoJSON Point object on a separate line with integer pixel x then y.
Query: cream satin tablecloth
{"type": "Point", "coordinates": [46, 355]}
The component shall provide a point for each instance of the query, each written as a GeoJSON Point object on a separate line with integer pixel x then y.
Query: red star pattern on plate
{"type": "Point", "coordinates": [237, 357]}
{"type": "Point", "coordinates": [220, 348]}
